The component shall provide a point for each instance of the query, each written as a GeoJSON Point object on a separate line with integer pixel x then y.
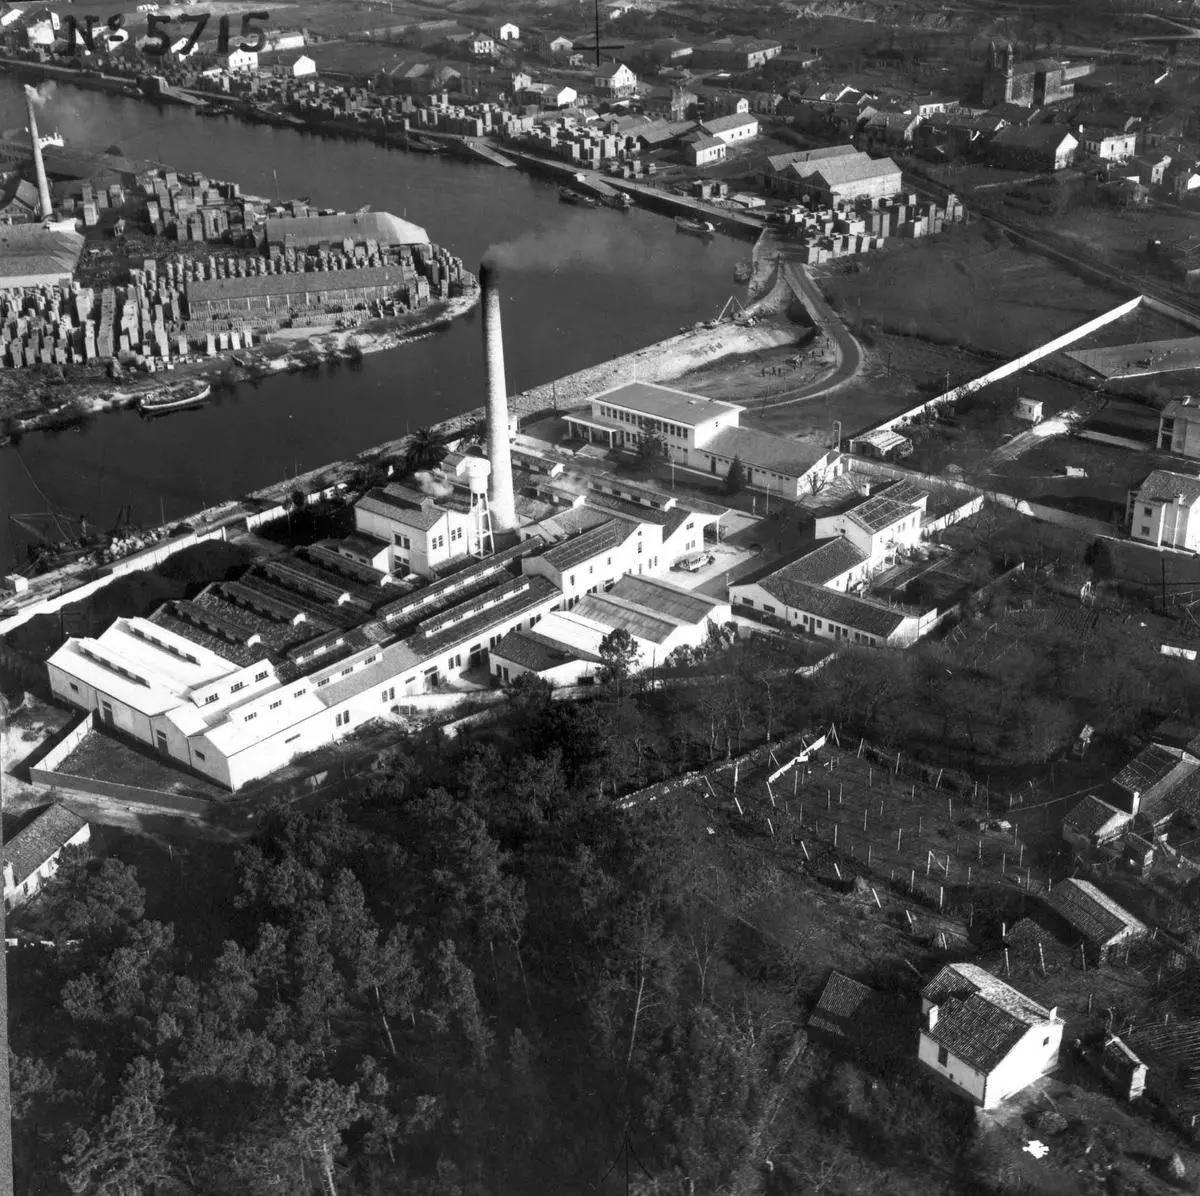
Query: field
{"type": "Point", "coordinates": [970, 287]}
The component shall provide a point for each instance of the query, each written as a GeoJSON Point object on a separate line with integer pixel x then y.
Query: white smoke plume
{"type": "Point", "coordinates": [428, 484]}
{"type": "Point", "coordinates": [42, 94]}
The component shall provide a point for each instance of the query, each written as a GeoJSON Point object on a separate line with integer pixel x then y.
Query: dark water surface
{"type": "Point", "coordinates": [592, 283]}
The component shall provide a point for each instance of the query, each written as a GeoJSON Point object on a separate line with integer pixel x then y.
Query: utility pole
{"type": "Point", "coordinates": [597, 11]}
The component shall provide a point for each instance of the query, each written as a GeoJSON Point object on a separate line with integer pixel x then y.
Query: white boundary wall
{"type": "Point", "coordinates": [1013, 367]}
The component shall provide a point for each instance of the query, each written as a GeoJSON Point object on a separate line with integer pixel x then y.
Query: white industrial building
{"type": "Point", "coordinates": [983, 1036]}
{"type": "Point", "coordinates": [703, 434]}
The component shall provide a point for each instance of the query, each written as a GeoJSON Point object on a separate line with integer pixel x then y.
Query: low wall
{"type": "Point", "coordinates": [1014, 366]}
{"type": "Point", "coordinates": [89, 786]}
{"type": "Point", "coordinates": [1138, 446]}
{"type": "Point", "coordinates": [1037, 510]}
{"type": "Point", "coordinates": [71, 738]}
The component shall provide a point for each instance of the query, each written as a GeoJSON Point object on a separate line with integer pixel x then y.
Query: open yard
{"type": "Point", "coordinates": [969, 287]}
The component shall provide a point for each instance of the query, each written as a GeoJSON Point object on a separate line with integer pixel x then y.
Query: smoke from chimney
{"type": "Point", "coordinates": [430, 485]}
{"type": "Point", "coordinates": [34, 100]}
{"type": "Point", "coordinates": [503, 504]}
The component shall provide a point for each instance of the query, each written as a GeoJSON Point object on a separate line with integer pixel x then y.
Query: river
{"type": "Point", "coordinates": [592, 283]}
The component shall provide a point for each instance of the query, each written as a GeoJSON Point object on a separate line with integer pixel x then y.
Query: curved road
{"type": "Point", "coordinates": [848, 351]}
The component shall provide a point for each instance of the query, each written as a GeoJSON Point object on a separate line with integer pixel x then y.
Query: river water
{"type": "Point", "coordinates": [591, 284]}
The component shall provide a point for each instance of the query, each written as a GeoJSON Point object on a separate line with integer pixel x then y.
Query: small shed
{"type": "Point", "coordinates": [1122, 1068]}
{"type": "Point", "coordinates": [1029, 410]}
{"type": "Point", "coordinates": [1101, 922]}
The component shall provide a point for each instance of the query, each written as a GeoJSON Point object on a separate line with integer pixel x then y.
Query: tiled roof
{"type": "Point", "coordinates": [532, 650]}
{"type": "Point", "coordinates": [841, 1006]}
{"type": "Point", "coordinates": [301, 281]}
{"type": "Point", "coordinates": [1096, 916]}
{"type": "Point", "coordinates": [406, 506]}
{"type": "Point", "coordinates": [977, 1032]}
{"type": "Point", "coordinates": [779, 162]}
{"type": "Point", "coordinates": [699, 141]}
{"type": "Point", "coordinates": [1162, 485]}
{"type": "Point", "coordinates": [32, 846]}
{"type": "Point", "coordinates": [1147, 768]}
{"type": "Point", "coordinates": [723, 124]}
{"type": "Point", "coordinates": [859, 614]}
{"type": "Point", "coordinates": [840, 171]}
{"type": "Point", "coordinates": [359, 227]}
{"type": "Point", "coordinates": [29, 249]}
{"type": "Point", "coordinates": [1091, 816]}
{"type": "Point", "coordinates": [588, 544]}
{"type": "Point", "coordinates": [1033, 136]}
{"type": "Point", "coordinates": [964, 979]}
{"type": "Point", "coordinates": [829, 559]}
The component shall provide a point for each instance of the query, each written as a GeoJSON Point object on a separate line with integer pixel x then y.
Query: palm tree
{"type": "Point", "coordinates": [424, 450]}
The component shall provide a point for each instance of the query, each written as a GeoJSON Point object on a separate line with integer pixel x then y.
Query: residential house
{"type": "Point", "coordinates": [1179, 427]}
{"type": "Point", "coordinates": [890, 129]}
{"type": "Point", "coordinates": [1093, 823]}
{"type": "Point", "coordinates": [560, 45]}
{"type": "Point", "coordinates": [1103, 924]}
{"type": "Point", "coordinates": [1151, 168]}
{"type": "Point", "coordinates": [1110, 145]}
{"type": "Point", "coordinates": [1042, 147]}
{"type": "Point", "coordinates": [238, 61]}
{"type": "Point", "coordinates": [848, 1014]}
{"type": "Point", "coordinates": [549, 95]}
{"type": "Point", "coordinates": [31, 855]}
{"type": "Point", "coordinates": [481, 45]}
{"type": "Point", "coordinates": [508, 32]}
{"type": "Point", "coordinates": [929, 105]}
{"type": "Point", "coordinates": [670, 50]}
{"type": "Point", "coordinates": [614, 81]}
{"type": "Point", "coordinates": [1165, 510]}
{"type": "Point", "coordinates": [737, 53]}
{"type": "Point", "coordinates": [701, 150]}
{"type": "Point", "coordinates": [985, 1037]}
{"type": "Point", "coordinates": [1182, 179]}
{"type": "Point", "coordinates": [288, 64]}
{"type": "Point", "coordinates": [731, 129]}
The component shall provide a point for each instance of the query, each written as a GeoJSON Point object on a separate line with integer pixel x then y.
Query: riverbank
{"type": "Point", "coordinates": [288, 350]}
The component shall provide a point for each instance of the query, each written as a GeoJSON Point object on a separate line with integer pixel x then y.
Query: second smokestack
{"type": "Point", "coordinates": [39, 167]}
{"type": "Point", "coordinates": [502, 503]}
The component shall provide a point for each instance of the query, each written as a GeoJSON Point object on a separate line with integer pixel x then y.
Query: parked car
{"type": "Point", "coordinates": [693, 564]}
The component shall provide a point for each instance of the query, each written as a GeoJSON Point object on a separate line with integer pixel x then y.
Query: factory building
{"type": "Point", "coordinates": [832, 175]}
{"type": "Point", "coordinates": [702, 434]}
{"type": "Point", "coordinates": [316, 233]}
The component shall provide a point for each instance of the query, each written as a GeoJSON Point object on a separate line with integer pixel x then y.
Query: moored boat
{"type": "Point", "coordinates": [698, 228]}
{"type": "Point", "coordinates": [175, 398]}
{"type": "Point", "coordinates": [566, 195]}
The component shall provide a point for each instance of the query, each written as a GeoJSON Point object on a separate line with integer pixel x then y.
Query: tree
{"type": "Point", "coordinates": [424, 450]}
{"type": "Point", "coordinates": [735, 479]}
{"type": "Point", "coordinates": [651, 449]}
{"type": "Point", "coordinates": [619, 652]}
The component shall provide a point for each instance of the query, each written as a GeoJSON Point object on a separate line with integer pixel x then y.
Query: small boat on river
{"type": "Point", "coordinates": [697, 228]}
{"type": "Point", "coordinates": [175, 398]}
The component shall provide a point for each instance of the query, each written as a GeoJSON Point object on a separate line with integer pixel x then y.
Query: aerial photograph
{"type": "Point", "coordinates": [600, 598]}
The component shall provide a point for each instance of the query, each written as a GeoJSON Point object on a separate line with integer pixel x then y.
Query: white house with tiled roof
{"type": "Point", "coordinates": [31, 855]}
{"type": "Point", "coordinates": [1165, 510]}
{"type": "Point", "coordinates": [614, 80]}
{"type": "Point", "coordinates": [876, 527]}
{"type": "Point", "coordinates": [737, 126]}
{"type": "Point", "coordinates": [985, 1037]}
{"type": "Point", "coordinates": [1093, 823]}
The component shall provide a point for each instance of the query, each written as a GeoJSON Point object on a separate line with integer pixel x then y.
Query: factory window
{"type": "Point", "coordinates": [236, 686]}
{"type": "Point", "coordinates": [747, 601]}
{"type": "Point", "coordinates": [342, 719]}
{"type": "Point", "coordinates": [571, 579]}
{"type": "Point", "coordinates": [198, 755]}
{"type": "Point", "coordinates": [1145, 529]}
{"type": "Point", "coordinates": [1147, 511]}
{"type": "Point", "coordinates": [371, 659]}
{"type": "Point", "coordinates": [641, 548]}
{"type": "Point", "coordinates": [261, 676]}
{"type": "Point", "coordinates": [437, 543]}
{"type": "Point", "coordinates": [211, 698]}
{"type": "Point", "coordinates": [456, 534]}
{"type": "Point", "coordinates": [402, 541]}
{"type": "Point", "coordinates": [347, 672]}
{"type": "Point", "coordinates": [275, 705]}
{"type": "Point", "coordinates": [389, 694]}
{"type": "Point", "coordinates": [292, 738]}
{"type": "Point", "coordinates": [455, 661]}
{"type": "Point", "coordinates": [252, 714]}
{"type": "Point", "coordinates": [74, 687]}
{"type": "Point", "coordinates": [323, 681]}
{"type": "Point", "coordinates": [943, 1057]}
{"type": "Point", "coordinates": [298, 693]}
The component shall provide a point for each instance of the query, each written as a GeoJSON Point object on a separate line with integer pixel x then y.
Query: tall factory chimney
{"type": "Point", "coordinates": [39, 166]}
{"type": "Point", "coordinates": [503, 509]}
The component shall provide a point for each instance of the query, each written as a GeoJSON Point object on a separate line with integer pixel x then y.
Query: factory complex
{"type": "Point", "coordinates": [488, 568]}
